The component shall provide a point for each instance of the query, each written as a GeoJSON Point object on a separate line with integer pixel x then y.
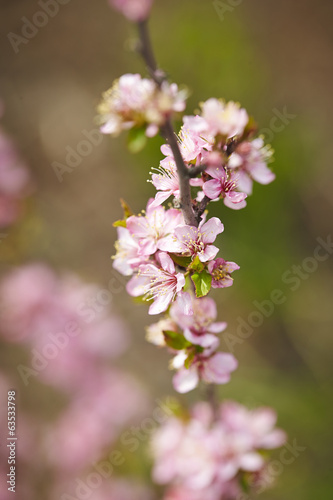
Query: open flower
{"type": "Point", "coordinates": [158, 283]}
{"type": "Point", "coordinates": [197, 320]}
{"type": "Point", "coordinates": [192, 241]}
{"type": "Point", "coordinates": [134, 101]}
{"type": "Point", "coordinates": [128, 255]}
{"type": "Point", "coordinates": [220, 270]}
{"type": "Point", "coordinates": [151, 229]}
{"type": "Point", "coordinates": [250, 162]}
{"type": "Point", "coordinates": [211, 368]}
{"type": "Point", "coordinates": [224, 184]}
{"type": "Point", "coordinates": [227, 119]}
{"type": "Point", "coordinates": [166, 181]}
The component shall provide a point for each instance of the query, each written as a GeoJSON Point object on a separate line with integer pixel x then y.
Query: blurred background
{"type": "Point", "coordinates": [275, 58]}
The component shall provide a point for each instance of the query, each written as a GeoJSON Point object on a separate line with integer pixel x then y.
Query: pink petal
{"type": "Point", "coordinates": [137, 286]}
{"type": "Point", "coordinates": [217, 369]}
{"type": "Point", "coordinates": [217, 327]}
{"type": "Point", "coordinates": [166, 262]}
{"type": "Point", "coordinates": [261, 173]}
{"type": "Point", "coordinates": [211, 229]}
{"type": "Point", "coordinates": [236, 197]}
{"type": "Point", "coordinates": [212, 189]}
{"type": "Point", "coordinates": [234, 206]}
{"type": "Point", "coordinates": [209, 253]}
{"type": "Point", "coordinates": [161, 303]}
{"type": "Point", "coordinates": [251, 462]}
{"type": "Point", "coordinates": [185, 380]}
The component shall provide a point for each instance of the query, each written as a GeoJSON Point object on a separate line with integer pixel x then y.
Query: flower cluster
{"type": "Point", "coordinates": [221, 140]}
{"type": "Point", "coordinates": [164, 257]}
{"type": "Point", "coordinates": [15, 182]}
{"type": "Point", "coordinates": [136, 102]}
{"type": "Point", "coordinates": [205, 456]}
{"type": "Point", "coordinates": [72, 338]}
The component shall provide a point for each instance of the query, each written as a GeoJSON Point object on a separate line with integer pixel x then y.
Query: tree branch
{"type": "Point", "coordinates": [167, 130]}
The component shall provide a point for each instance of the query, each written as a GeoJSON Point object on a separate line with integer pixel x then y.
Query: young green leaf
{"type": "Point", "coordinates": [202, 282]}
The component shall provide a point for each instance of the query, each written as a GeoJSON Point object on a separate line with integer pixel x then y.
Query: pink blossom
{"type": "Point", "coordinates": [250, 162]}
{"type": "Point", "coordinates": [192, 241]}
{"type": "Point", "coordinates": [202, 456]}
{"type": "Point", "coordinates": [134, 101]}
{"type": "Point", "coordinates": [78, 437]}
{"type": "Point", "coordinates": [151, 230]}
{"type": "Point", "coordinates": [198, 324]}
{"type": "Point", "coordinates": [220, 270]}
{"type": "Point", "coordinates": [158, 283]}
{"type": "Point", "coordinates": [227, 119]}
{"type": "Point", "coordinates": [134, 10]}
{"type": "Point", "coordinates": [128, 256]}
{"type": "Point", "coordinates": [224, 183]}
{"type": "Point", "coordinates": [166, 181]}
{"type": "Point", "coordinates": [211, 368]}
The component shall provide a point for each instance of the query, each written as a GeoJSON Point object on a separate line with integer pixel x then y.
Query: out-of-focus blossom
{"type": "Point", "coordinates": [224, 184]}
{"type": "Point", "coordinates": [68, 330]}
{"type": "Point", "coordinates": [197, 320]}
{"type": "Point", "coordinates": [134, 101]}
{"type": "Point", "coordinates": [204, 455]}
{"type": "Point", "coordinates": [250, 162]}
{"type": "Point", "coordinates": [192, 241]}
{"type": "Point", "coordinates": [15, 181]}
{"type": "Point", "coordinates": [221, 270]}
{"type": "Point", "coordinates": [155, 331]}
{"type": "Point", "coordinates": [209, 366]}
{"type": "Point", "coordinates": [92, 422]}
{"type": "Point", "coordinates": [134, 10]}
{"type": "Point", "coordinates": [158, 283]}
{"type": "Point", "coordinates": [226, 119]}
{"type": "Point", "coordinates": [151, 229]}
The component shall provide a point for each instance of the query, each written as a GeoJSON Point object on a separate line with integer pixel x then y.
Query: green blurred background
{"type": "Point", "coordinates": [269, 56]}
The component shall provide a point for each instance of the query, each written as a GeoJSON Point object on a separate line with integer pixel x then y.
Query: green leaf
{"type": "Point", "coordinates": [202, 282]}
{"type": "Point", "coordinates": [119, 223]}
{"type": "Point", "coordinates": [137, 139]}
{"type": "Point", "coordinates": [196, 265]}
{"type": "Point", "coordinates": [189, 360]}
{"type": "Point", "coordinates": [126, 208]}
{"type": "Point", "coordinates": [181, 261]}
{"type": "Point", "coordinates": [175, 340]}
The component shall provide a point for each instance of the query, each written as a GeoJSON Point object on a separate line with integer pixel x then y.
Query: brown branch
{"type": "Point", "coordinates": [167, 130]}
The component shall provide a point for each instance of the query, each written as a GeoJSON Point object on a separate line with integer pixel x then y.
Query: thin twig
{"type": "Point", "coordinates": [167, 130]}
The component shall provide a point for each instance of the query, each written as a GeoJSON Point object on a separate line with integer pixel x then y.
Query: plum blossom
{"type": "Point", "coordinates": [151, 230]}
{"type": "Point", "coordinates": [198, 321]}
{"type": "Point", "coordinates": [211, 367]}
{"type": "Point", "coordinates": [134, 10]}
{"type": "Point", "coordinates": [224, 183]}
{"type": "Point", "coordinates": [192, 241]}
{"type": "Point", "coordinates": [201, 457]}
{"type": "Point", "coordinates": [134, 101]}
{"type": "Point", "coordinates": [165, 180]}
{"type": "Point", "coordinates": [128, 255]}
{"type": "Point", "coordinates": [220, 270]}
{"type": "Point", "coordinates": [227, 119]}
{"type": "Point", "coordinates": [161, 284]}
{"type": "Point", "coordinates": [249, 160]}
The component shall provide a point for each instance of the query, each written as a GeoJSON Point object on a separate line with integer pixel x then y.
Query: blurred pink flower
{"type": "Point", "coordinates": [134, 10]}
{"type": "Point", "coordinates": [227, 119]}
{"type": "Point", "coordinates": [202, 456]}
